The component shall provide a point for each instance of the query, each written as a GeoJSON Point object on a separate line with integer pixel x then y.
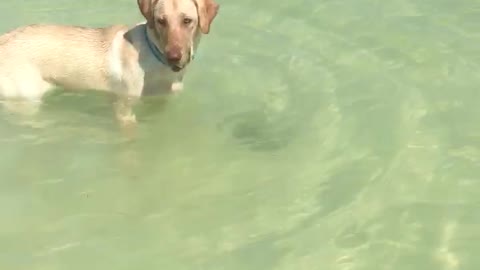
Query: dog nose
{"type": "Point", "coordinates": [174, 56]}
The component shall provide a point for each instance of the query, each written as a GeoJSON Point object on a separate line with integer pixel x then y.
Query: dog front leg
{"type": "Point", "coordinates": [123, 107]}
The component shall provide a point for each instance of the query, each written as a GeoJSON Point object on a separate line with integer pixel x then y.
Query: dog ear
{"type": "Point", "coordinates": [146, 8]}
{"type": "Point", "coordinates": [207, 10]}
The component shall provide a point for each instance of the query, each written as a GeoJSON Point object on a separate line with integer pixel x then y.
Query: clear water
{"type": "Point", "coordinates": [310, 135]}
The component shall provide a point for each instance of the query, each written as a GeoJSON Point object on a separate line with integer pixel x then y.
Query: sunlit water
{"type": "Point", "coordinates": [310, 135]}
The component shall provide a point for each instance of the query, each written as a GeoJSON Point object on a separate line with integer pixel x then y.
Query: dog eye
{"type": "Point", "coordinates": [161, 21]}
{"type": "Point", "coordinates": [187, 21]}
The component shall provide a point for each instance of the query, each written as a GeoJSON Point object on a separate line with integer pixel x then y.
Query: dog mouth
{"type": "Point", "coordinates": [179, 66]}
{"type": "Point", "coordinates": [176, 68]}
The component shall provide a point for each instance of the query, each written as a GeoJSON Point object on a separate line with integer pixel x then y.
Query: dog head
{"type": "Point", "coordinates": [176, 25]}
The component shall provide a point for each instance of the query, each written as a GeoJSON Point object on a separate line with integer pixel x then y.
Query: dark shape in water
{"type": "Point", "coordinates": [255, 130]}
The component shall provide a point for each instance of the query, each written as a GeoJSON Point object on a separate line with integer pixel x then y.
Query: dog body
{"type": "Point", "coordinates": [146, 59]}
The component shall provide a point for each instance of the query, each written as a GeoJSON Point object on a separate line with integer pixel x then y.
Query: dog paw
{"type": "Point", "coordinates": [128, 125]}
{"type": "Point", "coordinates": [127, 120]}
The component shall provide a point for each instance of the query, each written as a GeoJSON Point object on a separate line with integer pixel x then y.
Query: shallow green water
{"type": "Point", "coordinates": [310, 135]}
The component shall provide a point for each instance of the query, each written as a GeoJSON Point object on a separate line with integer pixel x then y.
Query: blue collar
{"type": "Point", "coordinates": [155, 51]}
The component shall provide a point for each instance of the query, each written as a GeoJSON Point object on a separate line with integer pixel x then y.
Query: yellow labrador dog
{"type": "Point", "coordinates": [131, 62]}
